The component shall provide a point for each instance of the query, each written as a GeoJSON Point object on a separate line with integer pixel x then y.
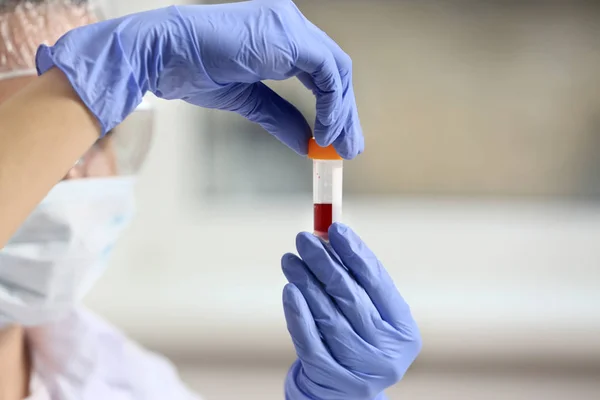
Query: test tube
{"type": "Point", "coordinates": [327, 187]}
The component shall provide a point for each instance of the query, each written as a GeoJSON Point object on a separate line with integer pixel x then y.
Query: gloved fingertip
{"type": "Point", "coordinates": [361, 144]}
{"type": "Point", "coordinates": [357, 149]}
{"type": "Point", "coordinates": [305, 241]}
{"type": "Point", "coordinates": [338, 228]}
{"type": "Point", "coordinates": [322, 139]}
{"type": "Point", "coordinates": [350, 142]}
{"type": "Point", "coordinates": [289, 297]}
{"type": "Point", "coordinates": [326, 135]}
{"type": "Point", "coordinates": [292, 268]}
{"type": "Point", "coordinates": [340, 237]}
{"type": "Point", "coordinates": [343, 151]}
{"type": "Point", "coordinates": [287, 258]}
{"type": "Point", "coordinates": [303, 237]}
{"type": "Point", "coordinates": [349, 146]}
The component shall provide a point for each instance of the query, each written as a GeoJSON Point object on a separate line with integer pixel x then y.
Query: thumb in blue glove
{"type": "Point", "coordinates": [215, 56]}
{"type": "Point", "coordinates": [353, 332]}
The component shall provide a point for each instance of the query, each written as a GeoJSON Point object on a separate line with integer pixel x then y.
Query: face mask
{"type": "Point", "coordinates": [62, 249]}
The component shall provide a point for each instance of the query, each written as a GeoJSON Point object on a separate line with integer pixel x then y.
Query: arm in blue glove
{"type": "Point", "coordinates": [214, 56]}
{"type": "Point", "coordinates": [353, 332]}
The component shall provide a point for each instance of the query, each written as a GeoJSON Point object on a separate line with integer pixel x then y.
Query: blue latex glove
{"type": "Point", "coordinates": [353, 332]}
{"type": "Point", "coordinates": [214, 56]}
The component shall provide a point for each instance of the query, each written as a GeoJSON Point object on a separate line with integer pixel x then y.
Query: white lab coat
{"type": "Point", "coordinates": [82, 357]}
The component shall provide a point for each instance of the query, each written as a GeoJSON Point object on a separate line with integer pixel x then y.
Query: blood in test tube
{"type": "Point", "coordinates": [323, 215]}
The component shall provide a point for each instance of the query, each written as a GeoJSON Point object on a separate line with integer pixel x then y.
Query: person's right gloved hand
{"type": "Point", "coordinates": [214, 56]}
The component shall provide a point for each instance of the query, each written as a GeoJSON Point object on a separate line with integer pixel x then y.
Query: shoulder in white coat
{"type": "Point", "coordinates": [82, 357]}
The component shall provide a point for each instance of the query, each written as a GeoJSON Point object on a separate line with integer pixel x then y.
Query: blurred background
{"type": "Point", "coordinates": [479, 190]}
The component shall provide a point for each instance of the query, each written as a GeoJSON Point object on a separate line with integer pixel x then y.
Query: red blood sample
{"type": "Point", "coordinates": [323, 219]}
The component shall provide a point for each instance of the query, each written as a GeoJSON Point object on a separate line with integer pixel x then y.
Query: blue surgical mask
{"type": "Point", "coordinates": [62, 248]}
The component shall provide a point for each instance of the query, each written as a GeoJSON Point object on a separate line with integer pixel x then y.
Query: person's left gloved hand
{"type": "Point", "coordinates": [215, 56]}
{"type": "Point", "coordinates": [353, 332]}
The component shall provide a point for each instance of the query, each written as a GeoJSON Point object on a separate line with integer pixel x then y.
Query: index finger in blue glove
{"type": "Point", "coordinates": [350, 141]}
{"type": "Point", "coordinates": [323, 77]}
{"type": "Point", "coordinates": [372, 276]}
{"type": "Point", "coordinates": [258, 103]}
{"type": "Point", "coordinates": [351, 299]}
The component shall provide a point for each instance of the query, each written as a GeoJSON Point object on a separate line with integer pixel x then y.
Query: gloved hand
{"type": "Point", "coordinates": [214, 56]}
{"type": "Point", "coordinates": [353, 332]}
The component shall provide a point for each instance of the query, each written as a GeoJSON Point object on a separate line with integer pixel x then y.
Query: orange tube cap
{"type": "Point", "coordinates": [317, 152]}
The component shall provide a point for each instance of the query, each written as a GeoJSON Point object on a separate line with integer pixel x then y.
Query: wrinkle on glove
{"type": "Point", "coordinates": [353, 332]}
{"type": "Point", "coordinates": [84, 358]}
{"type": "Point", "coordinates": [215, 56]}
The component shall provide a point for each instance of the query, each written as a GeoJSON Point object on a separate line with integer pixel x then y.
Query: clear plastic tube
{"type": "Point", "coordinates": [327, 194]}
